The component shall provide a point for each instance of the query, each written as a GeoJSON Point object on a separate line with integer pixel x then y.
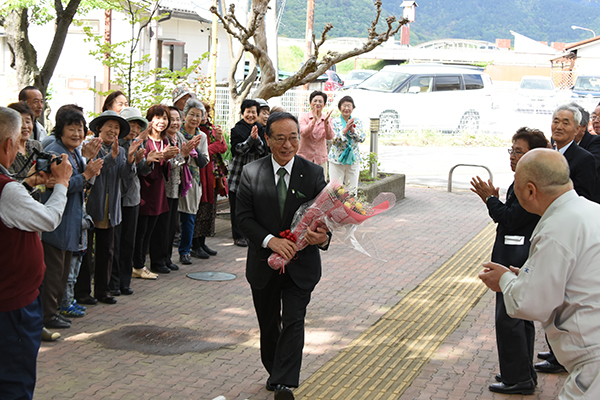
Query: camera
{"type": "Point", "coordinates": [44, 161]}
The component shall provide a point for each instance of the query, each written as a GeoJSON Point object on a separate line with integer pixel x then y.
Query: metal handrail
{"type": "Point", "coordinates": [466, 165]}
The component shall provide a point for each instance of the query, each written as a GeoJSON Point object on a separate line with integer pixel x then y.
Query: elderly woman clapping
{"type": "Point", "coordinates": [193, 112]}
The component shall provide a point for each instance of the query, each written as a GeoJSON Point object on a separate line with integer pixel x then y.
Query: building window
{"type": "Point", "coordinates": [172, 55]}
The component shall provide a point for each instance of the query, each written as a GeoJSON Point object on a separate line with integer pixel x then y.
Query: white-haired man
{"type": "Point", "coordinates": [22, 267]}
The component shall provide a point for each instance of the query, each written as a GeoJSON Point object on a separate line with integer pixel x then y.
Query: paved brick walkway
{"type": "Point", "coordinates": [417, 236]}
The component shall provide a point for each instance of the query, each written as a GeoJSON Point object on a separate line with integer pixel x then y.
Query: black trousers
{"type": "Point", "coordinates": [281, 329]}
{"type": "Point", "coordinates": [515, 339]}
{"type": "Point", "coordinates": [143, 233]}
{"type": "Point", "coordinates": [120, 276]}
{"type": "Point", "coordinates": [105, 242]}
{"type": "Point", "coordinates": [236, 233]}
{"type": "Point", "coordinates": [161, 242]}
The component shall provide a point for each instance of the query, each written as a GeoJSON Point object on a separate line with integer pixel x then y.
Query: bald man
{"type": "Point", "coordinates": [559, 284]}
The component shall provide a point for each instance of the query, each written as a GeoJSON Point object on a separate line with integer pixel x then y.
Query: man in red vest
{"type": "Point", "coordinates": [22, 267]}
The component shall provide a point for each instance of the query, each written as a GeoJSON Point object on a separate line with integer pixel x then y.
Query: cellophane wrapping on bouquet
{"type": "Point", "coordinates": [339, 211]}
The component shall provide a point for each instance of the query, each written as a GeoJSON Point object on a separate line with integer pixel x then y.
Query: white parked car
{"type": "Point", "coordinates": [357, 76]}
{"type": "Point", "coordinates": [424, 96]}
{"type": "Point", "coordinates": [536, 94]}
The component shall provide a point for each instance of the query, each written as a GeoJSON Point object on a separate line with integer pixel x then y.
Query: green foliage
{"type": "Point", "coordinates": [290, 58]}
{"type": "Point", "coordinates": [135, 77]}
{"type": "Point", "coordinates": [350, 18]}
{"type": "Point", "coordinates": [368, 160]}
{"type": "Point", "coordinates": [548, 20]}
{"type": "Point", "coordinates": [349, 65]}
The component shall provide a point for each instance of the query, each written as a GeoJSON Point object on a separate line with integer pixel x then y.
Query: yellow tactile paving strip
{"type": "Point", "coordinates": [383, 361]}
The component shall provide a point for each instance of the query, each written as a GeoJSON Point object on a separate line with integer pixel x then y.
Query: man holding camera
{"type": "Point", "coordinates": [22, 268]}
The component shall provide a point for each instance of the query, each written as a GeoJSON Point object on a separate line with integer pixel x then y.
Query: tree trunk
{"type": "Point", "coordinates": [24, 56]}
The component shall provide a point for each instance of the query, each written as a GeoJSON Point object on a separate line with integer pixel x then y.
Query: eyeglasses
{"type": "Point", "coordinates": [516, 153]}
{"type": "Point", "coordinates": [199, 116]}
{"type": "Point", "coordinates": [280, 140]}
{"type": "Point", "coordinates": [595, 117]}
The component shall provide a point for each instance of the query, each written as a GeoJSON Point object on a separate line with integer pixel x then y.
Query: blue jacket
{"type": "Point", "coordinates": [66, 236]}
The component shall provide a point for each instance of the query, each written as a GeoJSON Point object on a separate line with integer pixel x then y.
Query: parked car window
{"type": "Point", "coordinates": [421, 83]}
{"type": "Point", "coordinates": [446, 83]}
{"type": "Point", "coordinates": [384, 81]}
{"type": "Point", "coordinates": [537, 84]}
{"type": "Point", "coordinates": [473, 82]}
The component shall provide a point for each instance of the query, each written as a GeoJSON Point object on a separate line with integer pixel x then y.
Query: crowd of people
{"type": "Point", "coordinates": [140, 184]}
{"type": "Point", "coordinates": [112, 198]}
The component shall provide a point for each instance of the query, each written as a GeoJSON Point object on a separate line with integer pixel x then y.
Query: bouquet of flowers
{"type": "Point", "coordinates": [335, 208]}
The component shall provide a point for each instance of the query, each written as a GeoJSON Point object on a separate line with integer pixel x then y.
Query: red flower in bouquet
{"type": "Point", "coordinates": [333, 207]}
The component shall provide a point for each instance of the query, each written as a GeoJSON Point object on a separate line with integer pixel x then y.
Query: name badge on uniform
{"type": "Point", "coordinates": [514, 240]}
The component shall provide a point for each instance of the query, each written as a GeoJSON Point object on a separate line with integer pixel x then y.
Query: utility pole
{"type": "Point", "coordinates": [310, 22]}
{"type": "Point", "coordinates": [213, 56]}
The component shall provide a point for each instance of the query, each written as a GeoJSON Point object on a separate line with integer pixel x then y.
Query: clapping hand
{"type": "Point", "coordinates": [349, 126]}
{"type": "Point", "coordinates": [328, 115]}
{"type": "Point", "coordinates": [484, 189]}
{"type": "Point", "coordinates": [91, 148]}
{"type": "Point", "coordinates": [93, 168]}
{"type": "Point", "coordinates": [254, 132]}
{"type": "Point", "coordinates": [170, 152]}
{"type": "Point", "coordinates": [154, 156]}
{"type": "Point", "coordinates": [187, 147]}
{"type": "Point", "coordinates": [218, 132]}
{"type": "Point", "coordinates": [133, 149]}
{"type": "Point", "coordinates": [115, 148]}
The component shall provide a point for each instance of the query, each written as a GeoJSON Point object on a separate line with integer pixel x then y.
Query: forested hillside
{"type": "Point", "coordinates": [546, 20]}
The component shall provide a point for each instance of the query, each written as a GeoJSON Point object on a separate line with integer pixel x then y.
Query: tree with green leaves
{"type": "Point", "coordinates": [142, 83]}
{"type": "Point", "coordinates": [16, 16]}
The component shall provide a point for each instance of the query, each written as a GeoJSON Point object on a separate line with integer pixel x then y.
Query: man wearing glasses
{"type": "Point", "coordinates": [514, 337]}
{"type": "Point", "coordinates": [270, 191]}
{"type": "Point", "coordinates": [34, 99]}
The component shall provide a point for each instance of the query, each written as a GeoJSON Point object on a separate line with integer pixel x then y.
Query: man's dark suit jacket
{"type": "Point", "coordinates": [592, 144]}
{"type": "Point", "coordinates": [582, 166]}
{"type": "Point", "coordinates": [512, 220]}
{"type": "Point", "coordinates": [258, 215]}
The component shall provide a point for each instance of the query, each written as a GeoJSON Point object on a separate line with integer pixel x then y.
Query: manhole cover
{"type": "Point", "coordinates": [211, 276]}
{"type": "Point", "coordinates": [150, 339]}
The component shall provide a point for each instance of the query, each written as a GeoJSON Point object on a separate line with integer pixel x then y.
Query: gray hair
{"type": "Point", "coordinates": [569, 107]}
{"type": "Point", "coordinates": [10, 124]}
{"type": "Point", "coordinates": [585, 116]}
{"type": "Point", "coordinates": [193, 103]}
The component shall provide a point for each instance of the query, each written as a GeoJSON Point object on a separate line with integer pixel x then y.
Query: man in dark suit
{"type": "Point", "coordinates": [515, 337]}
{"type": "Point", "coordinates": [582, 165]}
{"type": "Point", "coordinates": [590, 142]}
{"type": "Point", "coordinates": [271, 190]}
{"type": "Point", "coordinates": [566, 122]}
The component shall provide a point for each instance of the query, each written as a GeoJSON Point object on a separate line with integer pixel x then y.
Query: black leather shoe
{"type": "Point", "coordinates": [115, 292]}
{"type": "Point", "coordinates": [544, 355]}
{"type": "Point", "coordinates": [161, 269]}
{"type": "Point", "coordinates": [185, 259]}
{"type": "Point", "coordinates": [57, 323]}
{"type": "Point", "coordinates": [108, 300]}
{"type": "Point", "coordinates": [549, 368]}
{"type": "Point", "coordinates": [63, 318]}
{"type": "Point", "coordinates": [209, 251]}
{"type": "Point", "coordinates": [241, 242]}
{"type": "Point", "coordinates": [87, 300]}
{"type": "Point", "coordinates": [126, 291]}
{"type": "Point", "coordinates": [283, 392]}
{"type": "Point", "coordinates": [269, 387]}
{"type": "Point", "coordinates": [172, 266]}
{"type": "Point", "coordinates": [526, 387]}
{"type": "Point", "coordinates": [199, 253]}
{"type": "Point", "coordinates": [498, 378]}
